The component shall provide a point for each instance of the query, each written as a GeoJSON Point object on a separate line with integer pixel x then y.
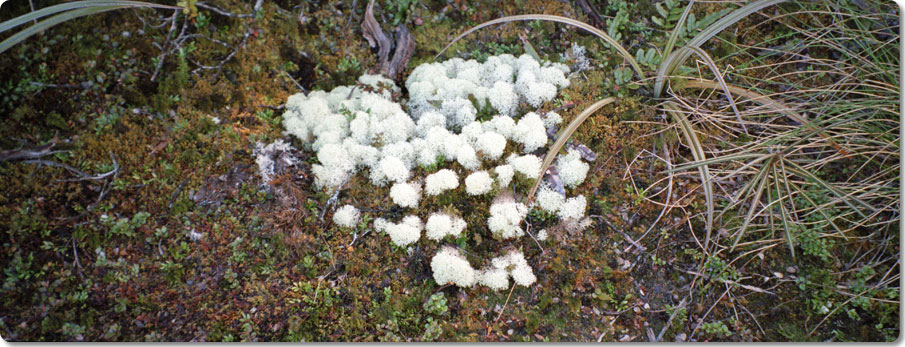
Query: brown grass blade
{"type": "Point", "coordinates": [766, 101]}
{"type": "Point", "coordinates": [785, 214]}
{"type": "Point", "coordinates": [698, 152]}
{"type": "Point", "coordinates": [719, 77]}
{"type": "Point", "coordinates": [551, 18]}
{"type": "Point", "coordinates": [761, 180]}
{"type": "Point", "coordinates": [563, 137]}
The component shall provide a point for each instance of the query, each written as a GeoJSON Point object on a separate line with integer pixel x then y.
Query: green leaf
{"type": "Point", "coordinates": [657, 21]}
{"type": "Point", "coordinates": [663, 13]}
{"type": "Point", "coordinates": [673, 60]}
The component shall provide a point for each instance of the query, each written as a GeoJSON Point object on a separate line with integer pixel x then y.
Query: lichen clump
{"type": "Point", "coordinates": [362, 128]}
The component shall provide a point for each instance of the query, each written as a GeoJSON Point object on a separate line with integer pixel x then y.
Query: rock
{"type": "Point", "coordinates": [680, 337]}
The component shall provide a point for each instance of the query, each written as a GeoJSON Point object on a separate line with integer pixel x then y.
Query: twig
{"type": "Point", "coordinates": [52, 85]}
{"type": "Point", "coordinates": [351, 15]}
{"type": "Point", "coordinates": [75, 253]}
{"type": "Point", "coordinates": [506, 303]}
{"type": "Point", "coordinates": [219, 66]}
{"type": "Point", "coordinates": [176, 193]}
{"type": "Point", "coordinates": [222, 12]}
{"type": "Point", "coordinates": [754, 318]}
{"type": "Point", "coordinates": [698, 326]}
{"type": "Point", "coordinates": [75, 171]}
{"type": "Point", "coordinates": [355, 237]}
{"type": "Point", "coordinates": [751, 288]}
{"type": "Point", "coordinates": [31, 153]}
{"type": "Point", "coordinates": [97, 177]}
{"type": "Point", "coordinates": [333, 198]}
{"type": "Point", "coordinates": [669, 322]}
{"type": "Point", "coordinates": [528, 231]}
{"type": "Point", "coordinates": [650, 335]}
{"type": "Point", "coordinates": [164, 50]}
{"type": "Point", "coordinates": [294, 81]}
{"type": "Point", "coordinates": [627, 238]}
{"type": "Point", "coordinates": [275, 108]}
{"type": "Point", "coordinates": [106, 188]}
{"type": "Point", "coordinates": [211, 39]}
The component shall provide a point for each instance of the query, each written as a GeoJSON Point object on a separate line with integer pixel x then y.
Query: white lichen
{"type": "Point", "coordinates": [542, 235]}
{"type": "Point", "coordinates": [478, 183]}
{"type": "Point", "coordinates": [347, 216]}
{"type": "Point", "coordinates": [504, 174]}
{"type": "Point", "coordinates": [441, 224]}
{"type": "Point", "coordinates": [404, 233]}
{"type": "Point", "coordinates": [440, 182]}
{"type": "Point", "coordinates": [530, 132]}
{"type": "Point", "coordinates": [450, 267]}
{"type": "Point", "coordinates": [573, 208]}
{"type": "Point", "coordinates": [528, 165]}
{"type": "Point", "coordinates": [571, 169]}
{"type": "Point", "coordinates": [506, 215]}
{"type": "Point", "coordinates": [548, 199]}
{"type": "Point", "coordinates": [491, 145]}
{"type": "Point", "coordinates": [406, 194]}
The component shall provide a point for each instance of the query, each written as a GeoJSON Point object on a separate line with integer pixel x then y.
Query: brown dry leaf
{"type": "Point", "coordinates": [586, 153]}
{"type": "Point", "coordinates": [551, 176]}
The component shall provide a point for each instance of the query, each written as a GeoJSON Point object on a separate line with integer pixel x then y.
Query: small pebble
{"type": "Point", "coordinates": [791, 269]}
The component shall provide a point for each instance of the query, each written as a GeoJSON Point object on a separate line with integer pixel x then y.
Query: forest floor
{"type": "Point", "coordinates": [143, 216]}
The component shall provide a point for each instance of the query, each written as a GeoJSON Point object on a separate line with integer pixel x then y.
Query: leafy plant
{"type": "Point", "coordinates": [400, 10]}
{"type": "Point", "coordinates": [436, 304]}
{"type": "Point", "coordinates": [718, 329]}
{"type": "Point", "coordinates": [348, 64]}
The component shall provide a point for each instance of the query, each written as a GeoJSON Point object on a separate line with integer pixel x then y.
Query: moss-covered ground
{"type": "Point", "coordinates": [182, 242]}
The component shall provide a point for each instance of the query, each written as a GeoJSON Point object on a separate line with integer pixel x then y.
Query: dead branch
{"type": "Point", "coordinates": [405, 44]}
{"type": "Point", "coordinates": [405, 48]}
{"type": "Point", "coordinates": [372, 32]}
{"type": "Point", "coordinates": [29, 153]}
